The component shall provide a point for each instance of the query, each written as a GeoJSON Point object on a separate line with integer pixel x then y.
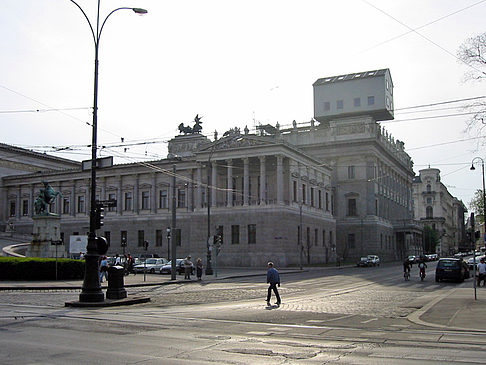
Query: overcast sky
{"type": "Point", "coordinates": [236, 64]}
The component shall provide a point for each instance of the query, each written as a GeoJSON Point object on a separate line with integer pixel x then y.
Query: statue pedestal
{"type": "Point", "coordinates": [46, 237]}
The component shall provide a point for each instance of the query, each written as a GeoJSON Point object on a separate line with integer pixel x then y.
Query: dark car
{"type": "Point", "coordinates": [451, 269]}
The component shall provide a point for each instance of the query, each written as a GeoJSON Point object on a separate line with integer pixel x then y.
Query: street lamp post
{"type": "Point", "coordinates": [91, 291]}
{"type": "Point", "coordinates": [484, 192]}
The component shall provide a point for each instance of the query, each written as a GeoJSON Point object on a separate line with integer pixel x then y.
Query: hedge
{"type": "Point", "coordinates": [35, 268]}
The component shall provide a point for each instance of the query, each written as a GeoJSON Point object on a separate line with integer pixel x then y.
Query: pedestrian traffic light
{"type": "Point", "coordinates": [124, 242]}
{"type": "Point", "coordinates": [99, 216]}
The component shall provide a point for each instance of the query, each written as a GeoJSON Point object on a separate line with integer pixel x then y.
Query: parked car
{"type": "Point", "coordinates": [374, 260]}
{"type": "Point", "coordinates": [451, 269]}
{"type": "Point", "coordinates": [363, 261]}
{"type": "Point", "coordinates": [151, 265]}
{"type": "Point", "coordinates": [470, 261]}
{"type": "Point", "coordinates": [167, 268]}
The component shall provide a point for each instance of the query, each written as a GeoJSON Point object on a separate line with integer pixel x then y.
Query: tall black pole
{"type": "Point", "coordinates": [91, 289]}
{"type": "Point", "coordinates": [483, 241]}
{"type": "Point", "coordinates": [173, 235]}
{"type": "Point", "coordinates": [209, 269]}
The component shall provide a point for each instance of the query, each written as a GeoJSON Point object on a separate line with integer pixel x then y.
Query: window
{"type": "Point", "coordinates": [251, 233]}
{"type": "Point", "coordinates": [141, 237]}
{"type": "Point", "coordinates": [339, 104]}
{"type": "Point", "coordinates": [12, 208]}
{"type": "Point", "coordinates": [304, 197]}
{"type": "Point", "coordinates": [352, 207]}
{"type": "Point", "coordinates": [429, 212]}
{"type": "Point", "coordinates": [357, 102]}
{"type": "Point", "coordinates": [181, 198]}
{"type": "Point", "coordinates": [319, 199]}
{"type": "Point", "coordinates": [327, 201]}
{"type": "Point", "coordinates": [112, 196]}
{"type": "Point", "coordinates": [66, 205]}
{"type": "Point", "coordinates": [327, 106]}
{"type": "Point", "coordinates": [295, 190]}
{"type": "Point", "coordinates": [25, 207]}
{"type": "Point", "coordinates": [371, 100]}
{"type": "Point", "coordinates": [312, 197]}
{"type": "Point", "coordinates": [158, 237]}
{"type": "Point", "coordinates": [350, 172]}
{"type": "Point", "coordinates": [351, 241]}
{"type": "Point", "coordinates": [163, 199]}
{"type": "Point", "coordinates": [323, 238]}
{"type": "Point", "coordinates": [235, 234]}
{"type": "Point", "coordinates": [331, 243]}
{"type": "Point", "coordinates": [429, 188]}
{"type": "Point", "coordinates": [429, 200]}
{"type": "Point", "coordinates": [81, 207]}
{"type": "Point", "coordinates": [128, 200]}
{"type": "Point", "coordinates": [145, 200]}
{"type": "Point", "coordinates": [316, 236]}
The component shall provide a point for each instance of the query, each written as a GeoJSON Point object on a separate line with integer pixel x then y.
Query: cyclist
{"type": "Point", "coordinates": [422, 266]}
{"type": "Point", "coordinates": [406, 268]}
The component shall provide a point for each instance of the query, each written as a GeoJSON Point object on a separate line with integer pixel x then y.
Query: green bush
{"type": "Point", "coordinates": [34, 268]}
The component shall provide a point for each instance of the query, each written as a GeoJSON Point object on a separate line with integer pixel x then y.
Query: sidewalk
{"type": "Point", "coordinates": [141, 280]}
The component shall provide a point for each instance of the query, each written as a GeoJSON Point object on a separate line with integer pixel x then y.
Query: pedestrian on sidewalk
{"type": "Point", "coordinates": [199, 268]}
{"type": "Point", "coordinates": [273, 278]}
{"type": "Point", "coordinates": [481, 272]}
{"type": "Point", "coordinates": [188, 267]}
{"type": "Point", "coordinates": [103, 268]}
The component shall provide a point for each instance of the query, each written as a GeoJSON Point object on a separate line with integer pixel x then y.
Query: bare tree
{"type": "Point", "coordinates": [473, 54]}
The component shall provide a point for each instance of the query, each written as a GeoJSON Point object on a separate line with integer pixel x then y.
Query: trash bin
{"type": "Point", "coordinates": [116, 286]}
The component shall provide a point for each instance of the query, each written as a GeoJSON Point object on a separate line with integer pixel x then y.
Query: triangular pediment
{"type": "Point", "coordinates": [238, 141]}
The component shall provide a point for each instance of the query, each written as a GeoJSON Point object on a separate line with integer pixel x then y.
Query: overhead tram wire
{"type": "Point", "coordinates": [420, 27]}
{"type": "Point", "coordinates": [422, 36]}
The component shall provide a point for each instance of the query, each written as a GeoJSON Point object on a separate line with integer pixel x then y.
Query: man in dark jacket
{"type": "Point", "coordinates": [273, 278]}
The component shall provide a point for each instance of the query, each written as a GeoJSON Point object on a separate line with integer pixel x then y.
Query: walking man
{"type": "Point", "coordinates": [273, 278]}
{"type": "Point", "coordinates": [481, 272]}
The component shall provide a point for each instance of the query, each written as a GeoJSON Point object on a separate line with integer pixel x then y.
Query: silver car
{"type": "Point", "coordinates": [151, 265]}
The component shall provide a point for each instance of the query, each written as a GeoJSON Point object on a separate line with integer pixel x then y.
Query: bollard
{"type": "Point", "coordinates": [116, 286]}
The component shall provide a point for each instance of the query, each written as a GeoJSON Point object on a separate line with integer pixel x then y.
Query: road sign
{"type": "Point", "coordinates": [100, 163]}
{"type": "Point", "coordinates": [107, 203]}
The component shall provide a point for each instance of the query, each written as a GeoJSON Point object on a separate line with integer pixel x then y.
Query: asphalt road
{"type": "Point", "coordinates": [333, 316]}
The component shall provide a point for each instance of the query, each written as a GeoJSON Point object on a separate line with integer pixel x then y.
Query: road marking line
{"type": "Point", "coordinates": [370, 320]}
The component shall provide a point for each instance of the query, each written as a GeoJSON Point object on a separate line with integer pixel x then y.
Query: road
{"type": "Point", "coordinates": [332, 316]}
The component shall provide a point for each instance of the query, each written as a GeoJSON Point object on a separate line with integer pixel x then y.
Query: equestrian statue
{"type": "Point", "coordinates": [46, 197]}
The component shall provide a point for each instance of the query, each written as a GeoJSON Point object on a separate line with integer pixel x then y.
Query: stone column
{"type": "Point", "coordinates": [246, 181]}
{"type": "Point", "coordinates": [119, 197]}
{"type": "Point", "coordinates": [279, 179]}
{"type": "Point", "coordinates": [135, 194]}
{"type": "Point", "coordinates": [199, 187]}
{"type": "Point", "coordinates": [153, 195]}
{"type": "Point", "coordinates": [18, 202]}
{"type": "Point", "coordinates": [263, 181]}
{"type": "Point", "coordinates": [214, 183]}
{"type": "Point", "coordinates": [229, 183]}
{"type": "Point", "coordinates": [31, 201]}
{"type": "Point", "coordinates": [73, 198]}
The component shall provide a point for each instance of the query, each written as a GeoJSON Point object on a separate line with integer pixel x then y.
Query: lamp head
{"type": "Point", "coordinates": [140, 11]}
{"type": "Point", "coordinates": [472, 167]}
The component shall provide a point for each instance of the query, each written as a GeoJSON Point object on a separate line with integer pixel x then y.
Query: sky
{"type": "Point", "coordinates": [236, 64]}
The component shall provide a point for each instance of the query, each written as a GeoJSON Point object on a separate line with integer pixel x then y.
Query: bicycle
{"type": "Point", "coordinates": [406, 275]}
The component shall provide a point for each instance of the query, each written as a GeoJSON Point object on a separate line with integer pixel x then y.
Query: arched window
{"type": "Point", "coordinates": [429, 212]}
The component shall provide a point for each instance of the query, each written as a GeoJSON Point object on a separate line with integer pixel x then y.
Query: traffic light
{"type": "Point", "coordinates": [124, 242]}
{"type": "Point", "coordinates": [99, 216]}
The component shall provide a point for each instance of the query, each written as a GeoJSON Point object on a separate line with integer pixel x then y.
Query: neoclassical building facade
{"type": "Point", "coordinates": [338, 186]}
{"type": "Point", "coordinates": [437, 208]}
